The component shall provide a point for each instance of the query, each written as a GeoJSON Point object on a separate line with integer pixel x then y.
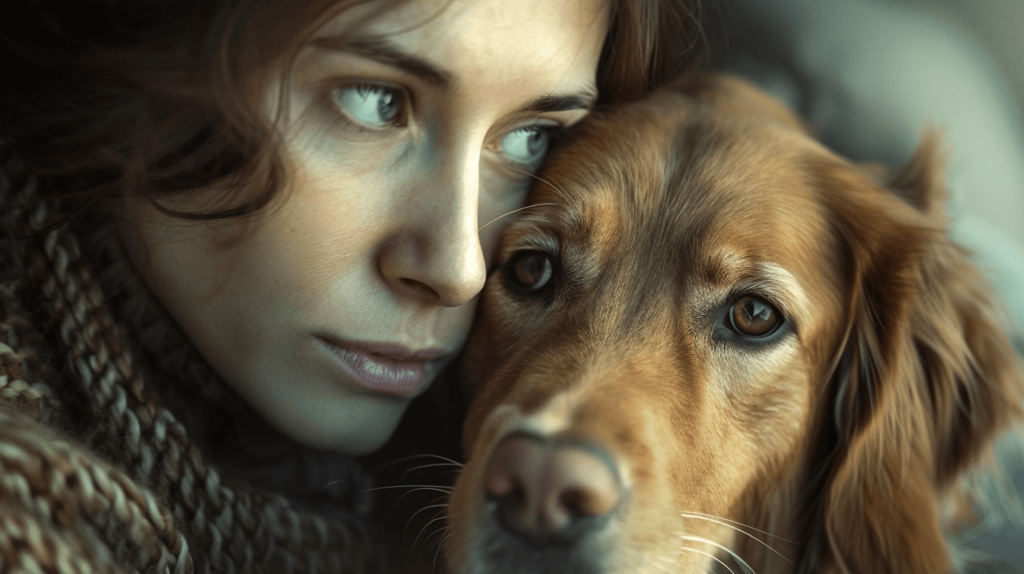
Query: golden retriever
{"type": "Point", "coordinates": [712, 343]}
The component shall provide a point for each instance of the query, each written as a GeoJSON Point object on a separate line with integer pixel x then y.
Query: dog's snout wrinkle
{"type": "Point", "coordinates": [544, 487]}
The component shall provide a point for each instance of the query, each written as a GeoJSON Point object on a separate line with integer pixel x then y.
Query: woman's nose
{"type": "Point", "coordinates": [435, 252]}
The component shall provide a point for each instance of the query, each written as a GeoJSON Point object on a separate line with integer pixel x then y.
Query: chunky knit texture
{"type": "Point", "coordinates": [101, 467]}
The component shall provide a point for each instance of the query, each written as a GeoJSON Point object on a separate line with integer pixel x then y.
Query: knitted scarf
{"type": "Point", "coordinates": [116, 438]}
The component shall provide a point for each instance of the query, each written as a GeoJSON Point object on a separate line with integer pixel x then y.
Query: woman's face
{"type": "Point", "coordinates": [334, 308]}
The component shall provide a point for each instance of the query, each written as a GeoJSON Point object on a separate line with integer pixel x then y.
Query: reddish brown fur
{"type": "Point", "coordinates": [846, 436]}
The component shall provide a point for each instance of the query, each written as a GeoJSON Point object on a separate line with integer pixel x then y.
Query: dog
{"type": "Point", "coordinates": [710, 342]}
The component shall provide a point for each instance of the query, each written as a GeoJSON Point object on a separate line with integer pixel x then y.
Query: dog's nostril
{"type": "Point", "coordinates": [573, 502]}
{"type": "Point", "coordinates": [542, 488]}
{"type": "Point", "coordinates": [583, 483]}
{"type": "Point", "coordinates": [590, 502]}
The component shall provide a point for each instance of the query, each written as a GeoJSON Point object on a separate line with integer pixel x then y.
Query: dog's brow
{"type": "Point", "coordinates": [725, 267]}
{"type": "Point", "coordinates": [784, 287]}
{"type": "Point", "coordinates": [728, 268]}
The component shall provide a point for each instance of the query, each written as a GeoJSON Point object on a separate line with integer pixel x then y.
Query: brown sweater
{"type": "Point", "coordinates": [120, 450]}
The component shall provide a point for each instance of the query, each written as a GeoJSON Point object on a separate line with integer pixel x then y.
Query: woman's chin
{"type": "Point", "coordinates": [353, 426]}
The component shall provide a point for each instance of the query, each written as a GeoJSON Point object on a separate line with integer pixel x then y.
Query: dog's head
{"type": "Point", "coordinates": [707, 325]}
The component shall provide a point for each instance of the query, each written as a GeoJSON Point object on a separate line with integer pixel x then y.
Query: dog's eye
{"type": "Point", "coordinates": [529, 271]}
{"type": "Point", "coordinates": [753, 317]}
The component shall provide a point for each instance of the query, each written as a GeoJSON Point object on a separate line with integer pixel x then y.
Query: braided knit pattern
{"type": "Point", "coordinates": [21, 351]}
{"type": "Point", "coordinates": [48, 485]}
{"type": "Point", "coordinates": [154, 504]}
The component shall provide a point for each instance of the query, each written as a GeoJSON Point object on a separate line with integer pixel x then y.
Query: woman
{"type": "Point", "coordinates": [239, 237]}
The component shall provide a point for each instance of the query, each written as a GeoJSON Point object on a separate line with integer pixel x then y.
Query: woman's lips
{"type": "Point", "coordinates": [382, 367]}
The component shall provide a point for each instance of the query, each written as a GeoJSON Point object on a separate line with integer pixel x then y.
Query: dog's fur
{"type": "Point", "coordinates": [845, 435]}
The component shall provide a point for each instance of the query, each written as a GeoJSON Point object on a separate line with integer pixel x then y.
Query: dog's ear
{"type": "Point", "coordinates": [920, 182]}
{"type": "Point", "coordinates": [925, 380]}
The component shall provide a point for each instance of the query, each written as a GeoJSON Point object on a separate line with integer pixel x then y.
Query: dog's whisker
{"type": "Point", "coordinates": [413, 515]}
{"type": "Point", "coordinates": [442, 516]}
{"type": "Point", "coordinates": [443, 530]}
{"type": "Point", "coordinates": [456, 472]}
{"type": "Point", "coordinates": [562, 193]}
{"type": "Point", "coordinates": [744, 532]}
{"type": "Point", "coordinates": [729, 551]}
{"type": "Point", "coordinates": [447, 491]}
{"type": "Point", "coordinates": [702, 515]}
{"type": "Point", "coordinates": [711, 556]}
{"type": "Point", "coordinates": [444, 489]}
{"type": "Point", "coordinates": [394, 504]}
{"type": "Point", "coordinates": [440, 545]}
{"type": "Point", "coordinates": [446, 459]}
{"type": "Point", "coordinates": [659, 564]}
{"type": "Point", "coordinates": [434, 465]}
{"type": "Point", "coordinates": [437, 531]}
{"type": "Point", "coordinates": [435, 501]}
{"type": "Point", "coordinates": [512, 212]}
{"type": "Point", "coordinates": [439, 515]}
{"type": "Point", "coordinates": [414, 457]}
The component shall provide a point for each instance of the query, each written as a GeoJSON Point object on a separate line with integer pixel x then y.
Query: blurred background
{"type": "Point", "coordinates": [997, 26]}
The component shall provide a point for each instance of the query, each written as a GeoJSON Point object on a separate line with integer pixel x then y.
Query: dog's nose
{"type": "Point", "coordinates": [542, 488]}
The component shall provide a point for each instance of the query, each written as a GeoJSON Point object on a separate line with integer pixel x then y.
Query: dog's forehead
{"type": "Point", "coordinates": [681, 181]}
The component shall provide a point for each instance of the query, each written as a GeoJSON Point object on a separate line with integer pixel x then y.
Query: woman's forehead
{"type": "Point", "coordinates": [395, 17]}
{"type": "Point", "coordinates": [509, 46]}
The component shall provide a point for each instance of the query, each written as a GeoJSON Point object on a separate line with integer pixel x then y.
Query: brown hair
{"type": "Point", "coordinates": [110, 96]}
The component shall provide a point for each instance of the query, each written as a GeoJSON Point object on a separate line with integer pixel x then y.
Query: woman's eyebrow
{"type": "Point", "coordinates": [386, 52]}
{"type": "Point", "coordinates": [583, 100]}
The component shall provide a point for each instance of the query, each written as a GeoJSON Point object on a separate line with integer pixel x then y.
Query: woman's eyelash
{"type": "Point", "coordinates": [529, 150]}
{"type": "Point", "coordinates": [371, 106]}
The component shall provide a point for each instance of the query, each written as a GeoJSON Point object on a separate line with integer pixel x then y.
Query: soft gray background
{"type": "Point", "coordinates": [870, 76]}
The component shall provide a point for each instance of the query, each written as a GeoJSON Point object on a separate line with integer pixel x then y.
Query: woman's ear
{"type": "Point", "coordinates": [926, 378]}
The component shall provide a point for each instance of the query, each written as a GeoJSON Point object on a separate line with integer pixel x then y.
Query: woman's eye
{"type": "Point", "coordinates": [371, 106]}
{"type": "Point", "coordinates": [753, 317]}
{"type": "Point", "coordinates": [529, 271]}
{"type": "Point", "coordinates": [527, 146]}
